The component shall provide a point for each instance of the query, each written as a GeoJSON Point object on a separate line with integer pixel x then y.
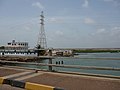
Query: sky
{"type": "Point", "coordinates": [68, 23]}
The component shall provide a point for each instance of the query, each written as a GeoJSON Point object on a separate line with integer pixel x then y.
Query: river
{"type": "Point", "coordinates": [86, 59]}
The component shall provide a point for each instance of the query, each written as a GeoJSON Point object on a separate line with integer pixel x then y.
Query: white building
{"type": "Point", "coordinates": [62, 52]}
{"type": "Point", "coordinates": [16, 45]}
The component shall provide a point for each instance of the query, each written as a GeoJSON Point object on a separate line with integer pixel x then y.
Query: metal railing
{"type": "Point", "coordinates": [63, 66]}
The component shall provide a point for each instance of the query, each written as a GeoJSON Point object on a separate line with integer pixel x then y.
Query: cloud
{"type": "Point", "coordinates": [115, 31]}
{"type": "Point", "coordinates": [116, 2]}
{"type": "Point", "coordinates": [85, 4]}
{"type": "Point", "coordinates": [27, 28]}
{"type": "Point", "coordinates": [116, 28]}
{"type": "Point", "coordinates": [106, 37]}
{"type": "Point", "coordinates": [102, 30]}
{"type": "Point", "coordinates": [64, 19]}
{"type": "Point", "coordinates": [99, 31]}
{"type": "Point", "coordinates": [30, 24]}
{"type": "Point", "coordinates": [59, 33]}
{"type": "Point", "coordinates": [89, 21]}
{"type": "Point", "coordinates": [53, 19]}
{"type": "Point", "coordinates": [38, 5]}
{"type": "Point", "coordinates": [110, 32]}
{"type": "Point", "coordinates": [108, 0]}
{"type": "Point", "coordinates": [112, 1]}
{"type": "Point", "coordinates": [56, 20]}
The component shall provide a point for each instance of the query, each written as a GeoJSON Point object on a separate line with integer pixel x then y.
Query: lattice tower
{"type": "Point", "coordinates": [42, 37]}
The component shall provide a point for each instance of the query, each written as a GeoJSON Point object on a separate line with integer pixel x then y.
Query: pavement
{"type": "Point", "coordinates": [8, 87]}
{"type": "Point", "coordinates": [62, 80]}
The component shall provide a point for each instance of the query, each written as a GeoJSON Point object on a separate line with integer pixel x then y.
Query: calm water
{"type": "Point", "coordinates": [85, 59]}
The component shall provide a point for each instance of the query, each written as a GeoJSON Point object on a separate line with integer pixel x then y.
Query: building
{"type": "Point", "coordinates": [62, 53]}
{"type": "Point", "coordinates": [16, 45]}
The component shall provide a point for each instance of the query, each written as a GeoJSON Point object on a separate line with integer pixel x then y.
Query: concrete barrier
{"type": "Point", "coordinates": [34, 86]}
{"type": "Point", "coordinates": [27, 85]}
{"type": "Point", "coordinates": [1, 80]}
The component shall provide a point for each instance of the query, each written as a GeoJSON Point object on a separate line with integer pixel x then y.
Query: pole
{"type": "Point", "coordinates": [50, 60]}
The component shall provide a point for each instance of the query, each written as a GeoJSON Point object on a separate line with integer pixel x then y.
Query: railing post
{"type": "Point", "coordinates": [50, 60]}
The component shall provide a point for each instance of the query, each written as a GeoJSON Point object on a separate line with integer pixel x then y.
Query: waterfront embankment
{"type": "Point", "coordinates": [23, 58]}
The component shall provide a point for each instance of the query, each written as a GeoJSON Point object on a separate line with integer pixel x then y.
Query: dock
{"type": "Point", "coordinates": [66, 81]}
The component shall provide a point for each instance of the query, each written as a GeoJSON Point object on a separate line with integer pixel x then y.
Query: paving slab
{"type": "Point", "coordinates": [6, 71]}
{"type": "Point", "coordinates": [8, 87]}
{"type": "Point", "coordinates": [75, 82]}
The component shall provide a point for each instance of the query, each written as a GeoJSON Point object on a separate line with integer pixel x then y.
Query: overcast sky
{"type": "Point", "coordinates": [68, 23]}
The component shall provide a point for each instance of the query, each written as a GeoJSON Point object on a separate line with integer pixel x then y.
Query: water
{"type": "Point", "coordinates": [109, 60]}
{"type": "Point", "coordinates": [87, 59]}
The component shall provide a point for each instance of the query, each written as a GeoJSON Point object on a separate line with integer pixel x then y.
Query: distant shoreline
{"type": "Point", "coordinates": [96, 51]}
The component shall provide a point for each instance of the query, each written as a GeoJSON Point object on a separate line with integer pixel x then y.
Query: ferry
{"type": "Point", "coordinates": [14, 46]}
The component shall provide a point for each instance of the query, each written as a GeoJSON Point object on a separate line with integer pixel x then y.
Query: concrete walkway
{"type": "Point", "coordinates": [62, 80]}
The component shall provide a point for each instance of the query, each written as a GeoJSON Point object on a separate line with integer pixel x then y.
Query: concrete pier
{"type": "Point", "coordinates": [62, 80]}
